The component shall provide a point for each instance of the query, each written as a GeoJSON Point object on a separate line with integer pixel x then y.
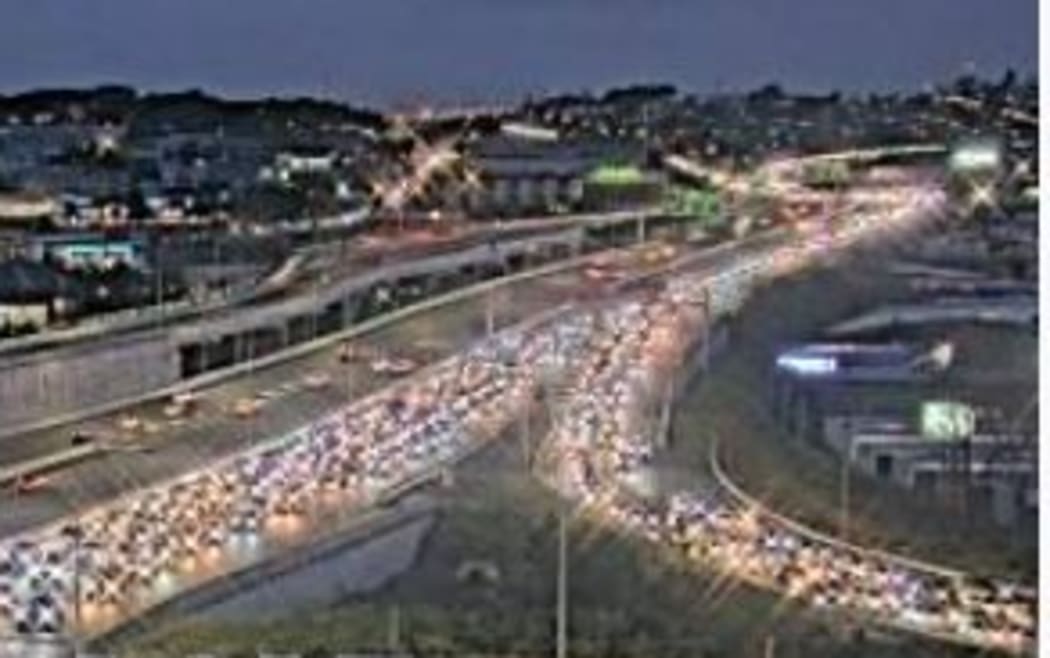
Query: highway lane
{"type": "Point", "coordinates": [48, 400]}
{"type": "Point", "coordinates": [284, 392]}
{"type": "Point", "coordinates": [280, 380]}
{"type": "Point", "coordinates": [121, 557]}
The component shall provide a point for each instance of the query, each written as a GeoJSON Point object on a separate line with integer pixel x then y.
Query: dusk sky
{"type": "Point", "coordinates": [401, 51]}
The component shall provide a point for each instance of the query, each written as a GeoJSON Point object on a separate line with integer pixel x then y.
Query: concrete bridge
{"type": "Point", "coordinates": [95, 371]}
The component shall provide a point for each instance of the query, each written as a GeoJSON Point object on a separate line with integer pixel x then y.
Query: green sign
{"type": "Point", "coordinates": [616, 175]}
{"type": "Point", "coordinates": [705, 206]}
{"type": "Point", "coordinates": [944, 420]}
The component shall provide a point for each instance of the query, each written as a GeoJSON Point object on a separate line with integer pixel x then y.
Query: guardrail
{"type": "Point", "coordinates": [47, 463]}
{"type": "Point", "coordinates": [812, 534]}
{"type": "Point", "coordinates": [213, 377]}
{"type": "Point", "coordinates": [360, 528]}
{"type": "Point", "coordinates": [396, 491]}
{"type": "Point", "coordinates": [248, 574]}
{"type": "Point", "coordinates": [174, 311]}
{"type": "Point", "coordinates": [217, 376]}
{"type": "Point", "coordinates": [745, 499]}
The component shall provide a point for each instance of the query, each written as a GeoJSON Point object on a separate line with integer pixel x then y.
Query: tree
{"type": "Point", "coordinates": [1008, 80]}
{"type": "Point", "coordinates": [136, 202]}
{"type": "Point", "coordinates": [770, 92]}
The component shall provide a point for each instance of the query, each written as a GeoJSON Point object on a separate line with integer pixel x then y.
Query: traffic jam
{"type": "Point", "coordinates": [602, 444]}
{"type": "Point", "coordinates": [144, 547]}
{"type": "Point", "coordinates": [602, 369]}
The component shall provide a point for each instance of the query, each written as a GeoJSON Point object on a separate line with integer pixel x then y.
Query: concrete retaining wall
{"type": "Point", "coordinates": [382, 544]}
{"type": "Point", "coordinates": [51, 387]}
{"type": "Point", "coordinates": [45, 387]}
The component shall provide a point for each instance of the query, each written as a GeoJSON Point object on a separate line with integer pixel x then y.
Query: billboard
{"type": "Point", "coordinates": [944, 420]}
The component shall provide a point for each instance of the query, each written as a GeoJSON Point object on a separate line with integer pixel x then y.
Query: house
{"type": "Point", "coordinates": [33, 294]}
{"type": "Point", "coordinates": [27, 209]}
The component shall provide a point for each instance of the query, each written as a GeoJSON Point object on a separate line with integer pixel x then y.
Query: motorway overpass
{"type": "Point", "coordinates": [92, 372]}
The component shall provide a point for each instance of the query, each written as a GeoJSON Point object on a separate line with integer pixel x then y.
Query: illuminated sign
{"type": "Point", "coordinates": [943, 420]}
{"type": "Point", "coordinates": [616, 175]}
{"type": "Point", "coordinates": [982, 156]}
{"type": "Point", "coordinates": [808, 364]}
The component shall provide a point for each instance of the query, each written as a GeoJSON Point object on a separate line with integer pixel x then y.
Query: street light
{"type": "Point", "coordinates": [563, 582]}
{"type": "Point", "coordinates": [844, 483]}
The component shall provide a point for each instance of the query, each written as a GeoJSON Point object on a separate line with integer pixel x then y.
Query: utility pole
{"type": "Point", "coordinates": [563, 582]}
{"type": "Point", "coordinates": [526, 436]}
{"type": "Point", "coordinates": [845, 482]}
{"type": "Point", "coordinates": [665, 414]}
{"type": "Point", "coordinates": [770, 647]}
{"type": "Point", "coordinates": [844, 492]}
{"type": "Point", "coordinates": [77, 613]}
{"type": "Point", "coordinates": [490, 319]}
{"type": "Point", "coordinates": [393, 637]}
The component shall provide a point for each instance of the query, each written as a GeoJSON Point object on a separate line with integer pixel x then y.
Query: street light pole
{"type": "Point", "coordinates": [844, 484]}
{"type": "Point", "coordinates": [490, 319]}
{"type": "Point", "coordinates": [77, 616]}
{"type": "Point", "coordinates": [526, 436]}
{"type": "Point", "coordinates": [563, 581]}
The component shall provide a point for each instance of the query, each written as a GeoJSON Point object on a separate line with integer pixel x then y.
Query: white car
{"type": "Point", "coordinates": [316, 381]}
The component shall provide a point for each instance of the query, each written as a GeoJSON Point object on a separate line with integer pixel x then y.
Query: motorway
{"type": "Point", "coordinates": [604, 437]}
{"type": "Point", "coordinates": [288, 394]}
{"type": "Point", "coordinates": [143, 443]}
{"type": "Point", "coordinates": [110, 483]}
{"type": "Point", "coordinates": [600, 364]}
{"type": "Point", "coordinates": [49, 582]}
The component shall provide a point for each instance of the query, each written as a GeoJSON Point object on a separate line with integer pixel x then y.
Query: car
{"type": "Point", "coordinates": [246, 407]}
{"type": "Point", "coordinates": [246, 521]}
{"type": "Point", "coordinates": [316, 381]}
{"type": "Point", "coordinates": [27, 484]}
{"type": "Point", "coordinates": [174, 411]}
{"type": "Point", "coordinates": [349, 352]}
{"type": "Point", "coordinates": [129, 423]}
{"type": "Point", "coordinates": [393, 366]}
{"type": "Point", "coordinates": [181, 404]}
{"type": "Point", "coordinates": [81, 438]}
{"type": "Point", "coordinates": [595, 273]}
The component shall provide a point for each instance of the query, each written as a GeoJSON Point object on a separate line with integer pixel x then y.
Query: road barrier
{"type": "Point", "coordinates": [749, 501]}
{"type": "Point", "coordinates": [47, 463]}
{"type": "Point", "coordinates": [361, 528]}
{"type": "Point", "coordinates": [214, 377]}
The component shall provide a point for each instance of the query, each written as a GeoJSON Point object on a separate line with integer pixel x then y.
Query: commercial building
{"type": "Point", "coordinates": [881, 409]}
{"type": "Point", "coordinates": [518, 176]}
{"type": "Point", "coordinates": [94, 250]}
{"type": "Point", "coordinates": [994, 474]}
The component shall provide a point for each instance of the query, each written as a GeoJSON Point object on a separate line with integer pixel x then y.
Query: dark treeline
{"type": "Point", "coordinates": [120, 104]}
